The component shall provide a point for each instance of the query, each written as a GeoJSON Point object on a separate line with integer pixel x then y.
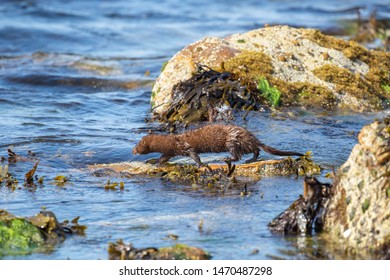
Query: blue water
{"type": "Point", "coordinates": [74, 89]}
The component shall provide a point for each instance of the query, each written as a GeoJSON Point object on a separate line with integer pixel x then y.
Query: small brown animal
{"type": "Point", "coordinates": [214, 138]}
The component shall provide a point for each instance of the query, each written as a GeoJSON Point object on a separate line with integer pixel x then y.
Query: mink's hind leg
{"type": "Point", "coordinates": [255, 156]}
{"type": "Point", "coordinates": [196, 158]}
{"type": "Point", "coordinates": [152, 161]}
{"type": "Point", "coordinates": [236, 155]}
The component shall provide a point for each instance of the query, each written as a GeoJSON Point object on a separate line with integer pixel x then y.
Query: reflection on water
{"type": "Point", "coordinates": [75, 82]}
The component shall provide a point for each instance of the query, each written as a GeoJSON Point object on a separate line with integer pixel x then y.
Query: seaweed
{"type": "Point", "coordinates": [7, 178]}
{"type": "Point", "coordinates": [13, 157]}
{"type": "Point", "coordinates": [209, 95]}
{"type": "Point", "coordinates": [29, 176]}
{"type": "Point", "coordinates": [114, 185]}
{"type": "Point", "coordinates": [61, 180]}
{"type": "Point", "coordinates": [307, 212]}
{"type": "Point", "coordinates": [270, 93]}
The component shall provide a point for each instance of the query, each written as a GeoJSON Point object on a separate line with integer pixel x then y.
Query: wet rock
{"type": "Point", "coordinates": [305, 66]}
{"type": "Point", "coordinates": [358, 215]}
{"type": "Point", "coordinates": [218, 176]}
{"type": "Point", "coordinates": [36, 234]}
{"type": "Point", "coordinates": [353, 214]}
{"type": "Point", "coordinates": [121, 251]}
{"type": "Point", "coordinates": [17, 235]}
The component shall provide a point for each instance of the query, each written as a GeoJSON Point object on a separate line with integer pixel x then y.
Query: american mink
{"type": "Point", "coordinates": [214, 138]}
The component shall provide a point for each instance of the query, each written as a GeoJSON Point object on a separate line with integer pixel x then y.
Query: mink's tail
{"type": "Point", "coordinates": [274, 151]}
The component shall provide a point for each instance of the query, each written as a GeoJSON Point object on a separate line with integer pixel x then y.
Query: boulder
{"type": "Point", "coordinates": [358, 214]}
{"type": "Point", "coordinates": [351, 215]}
{"type": "Point", "coordinates": [307, 67]}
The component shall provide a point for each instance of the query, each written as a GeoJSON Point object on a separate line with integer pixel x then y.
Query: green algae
{"type": "Point", "coordinates": [36, 234]}
{"type": "Point", "coordinates": [7, 179]}
{"type": "Point", "coordinates": [386, 88]}
{"type": "Point", "coordinates": [365, 205]}
{"type": "Point", "coordinates": [18, 235]}
{"type": "Point", "coordinates": [165, 63]}
{"type": "Point", "coordinates": [272, 94]}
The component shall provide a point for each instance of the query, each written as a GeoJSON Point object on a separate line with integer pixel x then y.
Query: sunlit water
{"type": "Point", "coordinates": [74, 89]}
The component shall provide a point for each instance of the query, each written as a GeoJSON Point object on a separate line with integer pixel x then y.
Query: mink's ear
{"type": "Point", "coordinates": [150, 132]}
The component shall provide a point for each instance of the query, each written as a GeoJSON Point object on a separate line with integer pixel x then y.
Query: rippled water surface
{"type": "Point", "coordinates": [75, 83]}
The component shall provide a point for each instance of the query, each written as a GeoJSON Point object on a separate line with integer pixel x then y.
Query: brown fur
{"type": "Point", "coordinates": [208, 139]}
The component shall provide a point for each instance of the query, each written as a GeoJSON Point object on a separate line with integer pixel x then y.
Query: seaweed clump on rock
{"type": "Point", "coordinates": [307, 212]}
{"type": "Point", "coordinates": [209, 95]}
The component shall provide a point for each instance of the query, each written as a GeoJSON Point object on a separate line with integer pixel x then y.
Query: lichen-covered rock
{"type": "Point", "coordinates": [307, 67]}
{"type": "Point", "coordinates": [358, 215]}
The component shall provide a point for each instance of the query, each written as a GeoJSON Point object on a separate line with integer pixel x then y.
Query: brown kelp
{"type": "Point", "coordinates": [306, 213]}
{"type": "Point", "coordinates": [209, 95]}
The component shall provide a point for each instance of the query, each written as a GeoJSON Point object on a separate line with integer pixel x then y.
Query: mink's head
{"type": "Point", "coordinates": [143, 146]}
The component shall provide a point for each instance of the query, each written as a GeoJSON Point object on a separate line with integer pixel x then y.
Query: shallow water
{"type": "Point", "coordinates": [75, 89]}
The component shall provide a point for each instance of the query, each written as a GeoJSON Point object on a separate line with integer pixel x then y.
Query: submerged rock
{"type": "Point", "coordinates": [122, 251]}
{"type": "Point", "coordinates": [301, 67]}
{"type": "Point", "coordinates": [358, 215]}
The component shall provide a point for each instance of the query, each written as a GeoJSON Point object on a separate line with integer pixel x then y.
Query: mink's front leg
{"type": "Point", "coordinates": [164, 158]}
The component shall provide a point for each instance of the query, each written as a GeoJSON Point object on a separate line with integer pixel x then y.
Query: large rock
{"type": "Point", "coordinates": [358, 214]}
{"type": "Point", "coordinates": [307, 67]}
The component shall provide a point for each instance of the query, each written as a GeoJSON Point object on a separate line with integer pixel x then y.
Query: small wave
{"type": "Point", "coordinates": [42, 139]}
{"type": "Point", "coordinates": [83, 82]}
